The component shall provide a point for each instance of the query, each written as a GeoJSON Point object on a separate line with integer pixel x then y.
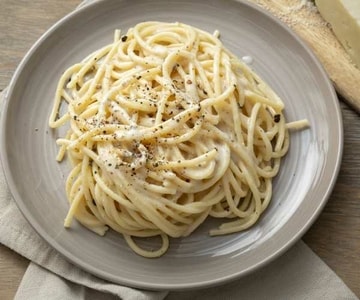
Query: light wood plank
{"type": "Point", "coordinates": [304, 19]}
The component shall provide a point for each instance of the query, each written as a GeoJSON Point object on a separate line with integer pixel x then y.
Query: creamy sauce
{"type": "Point", "coordinates": [247, 59]}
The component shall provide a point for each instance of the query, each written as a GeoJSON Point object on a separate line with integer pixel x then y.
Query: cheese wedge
{"type": "Point", "coordinates": [344, 18]}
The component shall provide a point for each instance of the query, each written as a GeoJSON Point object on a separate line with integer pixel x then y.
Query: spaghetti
{"type": "Point", "coordinates": [167, 128]}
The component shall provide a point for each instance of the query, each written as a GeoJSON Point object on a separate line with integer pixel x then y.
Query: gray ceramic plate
{"type": "Point", "coordinates": [300, 191]}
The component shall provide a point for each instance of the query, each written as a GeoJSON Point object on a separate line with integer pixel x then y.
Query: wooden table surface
{"type": "Point", "coordinates": [335, 236]}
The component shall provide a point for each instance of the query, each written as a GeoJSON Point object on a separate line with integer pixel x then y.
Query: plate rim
{"type": "Point", "coordinates": [163, 286]}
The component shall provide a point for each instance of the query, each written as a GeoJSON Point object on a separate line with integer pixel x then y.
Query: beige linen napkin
{"type": "Point", "coordinates": [298, 274]}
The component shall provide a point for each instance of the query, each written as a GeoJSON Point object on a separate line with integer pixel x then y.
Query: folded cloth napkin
{"type": "Point", "coordinates": [298, 274]}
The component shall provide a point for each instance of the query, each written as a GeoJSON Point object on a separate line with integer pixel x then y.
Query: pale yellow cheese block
{"type": "Point", "coordinates": [344, 17]}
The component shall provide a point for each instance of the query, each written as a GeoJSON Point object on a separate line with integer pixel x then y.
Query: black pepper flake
{"type": "Point", "coordinates": [124, 38]}
{"type": "Point", "coordinates": [277, 118]}
{"type": "Point", "coordinates": [188, 81]}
